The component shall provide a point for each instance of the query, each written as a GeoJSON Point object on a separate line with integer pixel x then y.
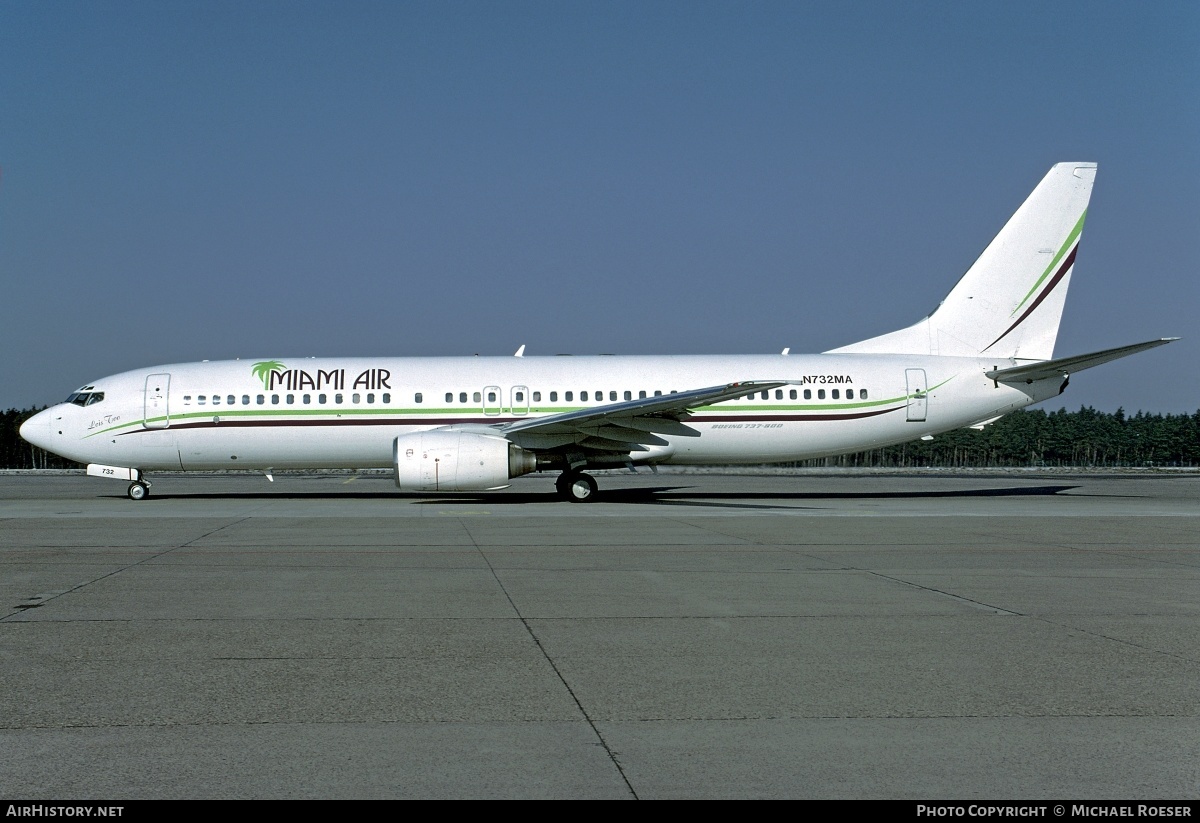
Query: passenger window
{"type": "Point", "coordinates": [307, 399]}
{"type": "Point", "coordinates": [641, 395]}
{"type": "Point", "coordinates": [187, 400]}
{"type": "Point", "coordinates": [230, 400]}
{"type": "Point", "coordinates": [553, 397]}
{"type": "Point", "coordinates": [322, 399]}
{"type": "Point", "coordinates": [491, 397]}
{"type": "Point", "coordinates": [200, 401]}
{"type": "Point", "coordinates": [835, 394]}
{"type": "Point", "coordinates": [449, 397]}
{"type": "Point", "coordinates": [808, 394]}
{"type": "Point", "coordinates": [520, 397]}
{"type": "Point", "coordinates": [337, 398]}
{"type": "Point", "coordinates": [477, 397]}
{"type": "Point", "coordinates": [291, 399]}
{"type": "Point", "coordinates": [356, 398]}
{"type": "Point", "coordinates": [583, 397]}
{"type": "Point", "coordinates": [779, 394]}
{"type": "Point", "coordinates": [612, 395]}
{"type": "Point", "coordinates": [462, 397]}
{"type": "Point", "coordinates": [371, 397]}
{"type": "Point", "coordinates": [569, 397]}
{"type": "Point", "coordinates": [657, 393]}
{"type": "Point", "coordinates": [245, 400]}
{"type": "Point", "coordinates": [791, 394]}
{"type": "Point", "coordinates": [259, 400]}
{"type": "Point", "coordinates": [216, 399]}
{"type": "Point", "coordinates": [628, 395]}
{"type": "Point", "coordinates": [537, 397]}
{"type": "Point", "coordinates": [820, 394]}
{"type": "Point", "coordinates": [274, 400]}
{"type": "Point", "coordinates": [418, 397]}
{"type": "Point", "coordinates": [862, 394]}
{"type": "Point", "coordinates": [387, 397]}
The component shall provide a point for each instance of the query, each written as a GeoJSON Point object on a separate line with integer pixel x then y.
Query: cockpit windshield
{"type": "Point", "coordinates": [85, 397]}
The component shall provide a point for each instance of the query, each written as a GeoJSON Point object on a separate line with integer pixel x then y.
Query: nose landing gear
{"type": "Point", "coordinates": [138, 490]}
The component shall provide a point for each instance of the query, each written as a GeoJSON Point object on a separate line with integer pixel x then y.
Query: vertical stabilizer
{"type": "Point", "coordinates": [1010, 302]}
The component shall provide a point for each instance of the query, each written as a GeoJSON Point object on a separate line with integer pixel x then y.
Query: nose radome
{"type": "Point", "coordinates": [36, 430]}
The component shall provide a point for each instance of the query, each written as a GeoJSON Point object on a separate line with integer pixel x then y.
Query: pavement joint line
{"type": "Point", "coordinates": [51, 596]}
{"type": "Point", "coordinates": [1126, 553]}
{"type": "Point", "coordinates": [612, 756]}
{"type": "Point", "coordinates": [746, 718]}
{"type": "Point", "coordinates": [973, 603]}
{"type": "Point", "coordinates": [1110, 638]}
{"type": "Point", "coordinates": [206, 534]}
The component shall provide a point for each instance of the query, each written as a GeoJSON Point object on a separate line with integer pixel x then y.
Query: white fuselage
{"type": "Point", "coordinates": [346, 412]}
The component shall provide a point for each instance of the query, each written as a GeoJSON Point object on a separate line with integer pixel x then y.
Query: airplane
{"type": "Point", "coordinates": [449, 424]}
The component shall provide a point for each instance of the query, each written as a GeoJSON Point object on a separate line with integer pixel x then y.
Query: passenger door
{"type": "Point", "coordinates": [156, 413]}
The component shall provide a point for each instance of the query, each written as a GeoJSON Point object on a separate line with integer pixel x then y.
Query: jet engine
{"type": "Point", "coordinates": [452, 460]}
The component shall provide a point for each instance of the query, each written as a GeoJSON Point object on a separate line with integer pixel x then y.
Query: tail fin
{"type": "Point", "coordinates": [1010, 302]}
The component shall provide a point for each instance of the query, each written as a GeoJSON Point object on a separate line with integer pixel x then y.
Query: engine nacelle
{"type": "Point", "coordinates": [451, 460]}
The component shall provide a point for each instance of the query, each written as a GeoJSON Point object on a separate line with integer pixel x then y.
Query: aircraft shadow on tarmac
{"type": "Point", "coordinates": [660, 495]}
{"type": "Point", "coordinates": [682, 496]}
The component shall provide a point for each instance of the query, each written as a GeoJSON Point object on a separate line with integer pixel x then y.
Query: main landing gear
{"type": "Point", "coordinates": [138, 490]}
{"type": "Point", "coordinates": [576, 487]}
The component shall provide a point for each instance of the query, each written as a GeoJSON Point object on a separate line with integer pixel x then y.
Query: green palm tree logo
{"type": "Point", "coordinates": [264, 370]}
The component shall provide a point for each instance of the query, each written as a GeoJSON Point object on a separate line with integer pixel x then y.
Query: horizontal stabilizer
{"type": "Point", "coordinates": [1069, 365]}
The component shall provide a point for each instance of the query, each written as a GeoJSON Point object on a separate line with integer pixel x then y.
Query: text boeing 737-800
{"type": "Point", "coordinates": [472, 423]}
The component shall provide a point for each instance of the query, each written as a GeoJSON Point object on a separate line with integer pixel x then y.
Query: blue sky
{"type": "Point", "coordinates": [187, 181]}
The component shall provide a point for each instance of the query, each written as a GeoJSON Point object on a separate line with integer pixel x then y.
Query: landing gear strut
{"type": "Point", "coordinates": [576, 487]}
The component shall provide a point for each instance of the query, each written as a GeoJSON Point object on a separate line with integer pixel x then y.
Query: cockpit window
{"type": "Point", "coordinates": [85, 398]}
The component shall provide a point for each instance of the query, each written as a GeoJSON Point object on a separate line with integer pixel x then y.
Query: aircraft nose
{"type": "Point", "coordinates": [36, 430]}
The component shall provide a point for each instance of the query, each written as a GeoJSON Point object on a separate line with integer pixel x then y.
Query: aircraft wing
{"type": "Point", "coordinates": [1065, 366]}
{"type": "Point", "coordinates": [629, 426]}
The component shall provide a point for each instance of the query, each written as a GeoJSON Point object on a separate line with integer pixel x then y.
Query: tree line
{"type": "Point", "coordinates": [1031, 437]}
{"type": "Point", "coordinates": [1035, 437]}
